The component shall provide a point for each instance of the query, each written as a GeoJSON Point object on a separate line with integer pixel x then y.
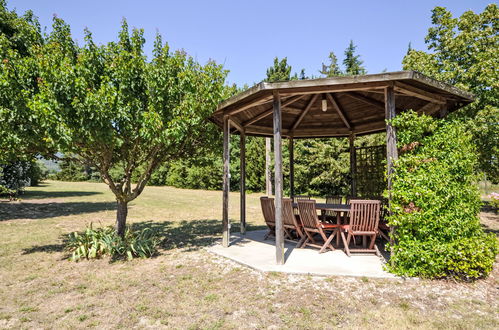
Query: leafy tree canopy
{"type": "Point", "coordinates": [463, 52]}
{"type": "Point", "coordinates": [112, 108]}
{"type": "Point", "coordinates": [280, 71]}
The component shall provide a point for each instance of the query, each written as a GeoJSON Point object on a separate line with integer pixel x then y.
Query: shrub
{"type": "Point", "coordinates": [99, 242]}
{"type": "Point", "coordinates": [435, 203]}
{"type": "Point", "coordinates": [494, 200]}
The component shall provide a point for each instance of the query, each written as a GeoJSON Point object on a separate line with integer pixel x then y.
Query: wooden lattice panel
{"type": "Point", "coordinates": [370, 171]}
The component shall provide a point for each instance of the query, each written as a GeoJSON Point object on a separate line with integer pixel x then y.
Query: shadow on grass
{"type": "Point", "coordinates": [189, 235]}
{"type": "Point", "coordinates": [35, 211]}
{"type": "Point", "coordinates": [40, 194]}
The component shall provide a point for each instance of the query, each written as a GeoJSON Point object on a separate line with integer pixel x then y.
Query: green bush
{"type": "Point", "coordinates": [435, 203]}
{"type": "Point", "coordinates": [99, 242]}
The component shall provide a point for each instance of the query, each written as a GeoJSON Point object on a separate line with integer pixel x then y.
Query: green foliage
{"type": "Point", "coordinates": [463, 52]}
{"type": "Point", "coordinates": [332, 69]}
{"type": "Point", "coordinates": [352, 62]}
{"type": "Point", "coordinates": [15, 176]}
{"type": "Point", "coordinates": [21, 135]}
{"type": "Point", "coordinates": [71, 171]}
{"type": "Point", "coordinates": [322, 167]}
{"type": "Point", "coordinates": [100, 242]}
{"type": "Point", "coordinates": [435, 203]}
{"type": "Point", "coordinates": [280, 71]}
{"type": "Point", "coordinates": [120, 113]}
{"type": "Point", "coordinates": [36, 173]}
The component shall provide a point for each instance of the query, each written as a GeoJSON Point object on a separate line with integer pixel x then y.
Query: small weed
{"type": "Point", "coordinates": [141, 308]}
{"type": "Point", "coordinates": [24, 319]}
{"type": "Point", "coordinates": [179, 266]}
{"type": "Point", "coordinates": [405, 305]}
{"type": "Point", "coordinates": [364, 279]}
{"type": "Point", "coordinates": [275, 274]}
{"type": "Point", "coordinates": [68, 310]}
{"type": "Point", "coordinates": [82, 317]}
{"type": "Point", "coordinates": [28, 309]}
{"type": "Point", "coordinates": [211, 297]}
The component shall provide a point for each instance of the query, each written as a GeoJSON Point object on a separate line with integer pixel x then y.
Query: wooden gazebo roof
{"type": "Point", "coordinates": [355, 104]}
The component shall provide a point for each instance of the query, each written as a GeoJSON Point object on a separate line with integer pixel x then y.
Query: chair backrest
{"type": "Point", "coordinates": [350, 197]}
{"type": "Point", "coordinates": [333, 200]}
{"type": "Point", "coordinates": [268, 209]}
{"type": "Point", "coordinates": [296, 199]}
{"type": "Point", "coordinates": [308, 214]}
{"type": "Point", "coordinates": [364, 215]}
{"type": "Point", "coordinates": [288, 215]}
{"type": "Point", "coordinates": [302, 197]}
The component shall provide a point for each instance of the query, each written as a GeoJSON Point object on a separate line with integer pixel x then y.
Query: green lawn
{"type": "Point", "coordinates": [186, 287]}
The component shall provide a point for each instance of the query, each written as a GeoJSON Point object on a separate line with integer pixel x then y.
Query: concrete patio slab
{"type": "Point", "coordinates": [252, 251]}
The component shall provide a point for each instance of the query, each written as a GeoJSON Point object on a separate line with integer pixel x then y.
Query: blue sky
{"type": "Point", "coordinates": [246, 35]}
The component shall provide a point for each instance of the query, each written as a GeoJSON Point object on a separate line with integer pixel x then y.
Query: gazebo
{"type": "Point", "coordinates": [346, 106]}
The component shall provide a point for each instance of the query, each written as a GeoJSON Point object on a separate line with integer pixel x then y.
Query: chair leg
{"type": "Point", "coordinates": [267, 235]}
{"type": "Point", "coordinates": [302, 241]}
{"type": "Point", "coordinates": [378, 254]}
{"type": "Point", "coordinates": [346, 241]}
{"type": "Point", "coordinates": [327, 243]}
{"type": "Point", "coordinates": [373, 241]}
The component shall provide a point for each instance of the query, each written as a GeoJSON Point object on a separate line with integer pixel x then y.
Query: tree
{"type": "Point", "coordinates": [463, 52]}
{"type": "Point", "coordinates": [280, 71]}
{"type": "Point", "coordinates": [332, 69]}
{"type": "Point", "coordinates": [21, 135]}
{"type": "Point", "coordinates": [117, 111]}
{"type": "Point", "coordinates": [352, 62]}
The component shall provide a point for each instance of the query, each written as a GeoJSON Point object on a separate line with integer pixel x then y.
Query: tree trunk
{"type": "Point", "coordinates": [121, 215]}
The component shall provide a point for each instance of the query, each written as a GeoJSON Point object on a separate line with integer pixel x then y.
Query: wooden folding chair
{"type": "Point", "coordinates": [268, 210]}
{"type": "Point", "coordinates": [364, 221]}
{"type": "Point", "coordinates": [312, 226]}
{"type": "Point", "coordinates": [292, 227]}
{"type": "Point", "coordinates": [296, 199]}
{"type": "Point", "coordinates": [331, 215]}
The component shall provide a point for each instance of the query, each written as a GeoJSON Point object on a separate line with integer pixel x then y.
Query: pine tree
{"type": "Point", "coordinates": [280, 71]}
{"type": "Point", "coordinates": [332, 69]}
{"type": "Point", "coordinates": [352, 62]}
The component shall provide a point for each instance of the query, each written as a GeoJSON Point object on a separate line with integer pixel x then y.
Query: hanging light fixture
{"type": "Point", "coordinates": [324, 103]}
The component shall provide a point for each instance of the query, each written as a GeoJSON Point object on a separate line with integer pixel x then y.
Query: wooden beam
{"type": "Point", "coordinates": [338, 109]}
{"type": "Point", "coordinates": [242, 182]}
{"type": "Point", "coordinates": [247, 105]}
{"type": "Point", "coordinates": [279, 231]}
{"type": "Point", "coordinates": [226, 183]}
{"type": "Point", "coordinates": [291, 167]}
{"type": "Point", "coordinates": [268, 174]}
{"type": "Point", "coordinates": [419, 93]}
{"type": "Point", "coordinates": [269, 111]}
{"type": "Point", "coordinates": [237, 125]}
{"type": "Point", "coordinates": [353, 164]}
{"type": "Point", "coordinates": [368, 100]}
{"type": "Point", "coordinates": [429, 108]}
{"type": "Point", "coordinates": [391, 144]}
{"type": "Point", "coordinates": [305, 111]}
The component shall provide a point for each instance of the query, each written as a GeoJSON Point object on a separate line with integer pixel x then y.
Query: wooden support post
{"type": "Point", "coordinates": [353, 164]}
{"type": "Point", "coordinates": [242, 183]}
{"type": "Point", "coordinates": [226, 184]}
{"type": "Point", "coordinates": [391, 143]}
{"type": "Point", "coordinates": [268, 174]}
{"type": "Point", "coordinates": [291, 167]}
{"type": "Point", "coordinates": [391, 136]}
{"type": "Point", "coordinates": [279, 232]}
